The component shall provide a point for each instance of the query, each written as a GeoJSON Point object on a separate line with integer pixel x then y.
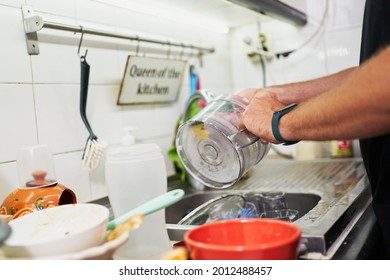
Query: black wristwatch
{"type": "Point", "coordinates": [275, 123]}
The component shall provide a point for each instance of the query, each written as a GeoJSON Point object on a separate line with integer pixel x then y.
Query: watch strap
{"type": "Point", "coordinates": [275, 124]}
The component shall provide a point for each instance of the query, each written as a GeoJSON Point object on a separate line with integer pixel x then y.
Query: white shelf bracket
{"type": "Point", "coordinates": [32, 23]}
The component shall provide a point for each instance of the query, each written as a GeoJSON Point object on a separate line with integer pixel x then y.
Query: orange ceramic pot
{"type": "Point", "coordinates": [38, 194]}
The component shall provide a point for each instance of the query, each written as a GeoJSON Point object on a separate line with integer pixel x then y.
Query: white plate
{"type": "Point", "coordinates": [102, 252]}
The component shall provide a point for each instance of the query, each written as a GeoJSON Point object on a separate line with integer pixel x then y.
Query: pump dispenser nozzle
{"type": "Point", "coordinates": [127, 136]}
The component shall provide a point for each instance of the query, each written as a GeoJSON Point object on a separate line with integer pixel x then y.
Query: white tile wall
{"type": "Point", "coordinates": [342, 47]}
{"type": "Point", "coordinates": [17, 119]}
{"type": "Point", "coordinates": [305, 63]}
{"type": "Point", "coordinates": [95, 12]}
{"type": "Point", "coordinates": [13, 3]}
{"type": "Point", "coordinates": [56, 7]}
{"type": "Point", "coordinates": [39, 95]}
{"type": "Point", "coordinates": [244, 73]}
{"type": "Point", "coordinates": [345, 14]}
{"type": "Point", "coordinates": [71, 174]}
{"type": "Point", "coordinates": [103, 114]}
{"type": "Point", "coordinates": [8, 179]}
{"type": "Point", "coordinates": [59, 123]}
{"type": "Point", "coordinates": [15, 62]}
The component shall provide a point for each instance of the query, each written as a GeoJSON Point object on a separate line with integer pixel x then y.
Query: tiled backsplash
{"type": "Point", "coordinates": [39, 95]}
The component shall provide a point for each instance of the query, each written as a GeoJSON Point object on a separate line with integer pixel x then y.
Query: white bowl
{"type": "Point", "coordinates": [104, 251]}
{"type": "Point", "coordinates": [57, 231]}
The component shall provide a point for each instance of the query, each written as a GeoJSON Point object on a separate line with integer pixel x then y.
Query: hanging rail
{"type": "Point", "coordinates": [34, 23]}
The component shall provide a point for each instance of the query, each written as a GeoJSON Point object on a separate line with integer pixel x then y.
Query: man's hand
{"type": "Point", "coordinates": [257, 117]}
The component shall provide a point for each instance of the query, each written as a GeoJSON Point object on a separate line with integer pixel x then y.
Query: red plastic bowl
{"type": "Point", "coordinates": [244, 239]}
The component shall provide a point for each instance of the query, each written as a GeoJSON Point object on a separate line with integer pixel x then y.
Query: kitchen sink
{"type": "Point", "coordinates": [303, 202]}
{"type": "Point", "coordinates": [329, 194]}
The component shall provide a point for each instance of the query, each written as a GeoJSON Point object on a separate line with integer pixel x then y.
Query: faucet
{"type": "Point", "coordinates": [203, 94]}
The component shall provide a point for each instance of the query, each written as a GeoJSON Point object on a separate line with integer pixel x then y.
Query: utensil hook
{"type": "Point", "coordinates": [192, 52]}
{"type": "Point", "coordinates": [81, 41]}
{"type": "Point", "coordinates": [182, 51]}
{"type": "Point", "coordinates": [169, 49]}
{"type": "Point", "coordinates": [137, 48]}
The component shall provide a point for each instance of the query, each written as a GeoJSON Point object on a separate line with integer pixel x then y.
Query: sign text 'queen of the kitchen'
{"type": "Point", "coordinates": [151, 80]}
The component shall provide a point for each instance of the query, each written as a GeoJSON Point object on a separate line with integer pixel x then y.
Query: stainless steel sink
{"type": "Point", "coordinates": [302, 202]}
{"type": "Point", "coordinates": [329, 194]}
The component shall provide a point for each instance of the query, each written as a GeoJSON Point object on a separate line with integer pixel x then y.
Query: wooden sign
{"type": "Point", "coordinates": [151, 80]}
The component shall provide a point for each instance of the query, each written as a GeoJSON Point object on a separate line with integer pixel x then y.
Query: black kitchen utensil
{"type": "Point", "coordinates": [94, 149]}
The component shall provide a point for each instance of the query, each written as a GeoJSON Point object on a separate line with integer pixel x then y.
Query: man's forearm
{"type": "Point", "coordinates": [301, 91]}
{"type": "Point", "coordinates": [357, 108]}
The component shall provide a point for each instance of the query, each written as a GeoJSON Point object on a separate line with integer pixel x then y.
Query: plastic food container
{"type": "Point", "coordinates": [211, 147]}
